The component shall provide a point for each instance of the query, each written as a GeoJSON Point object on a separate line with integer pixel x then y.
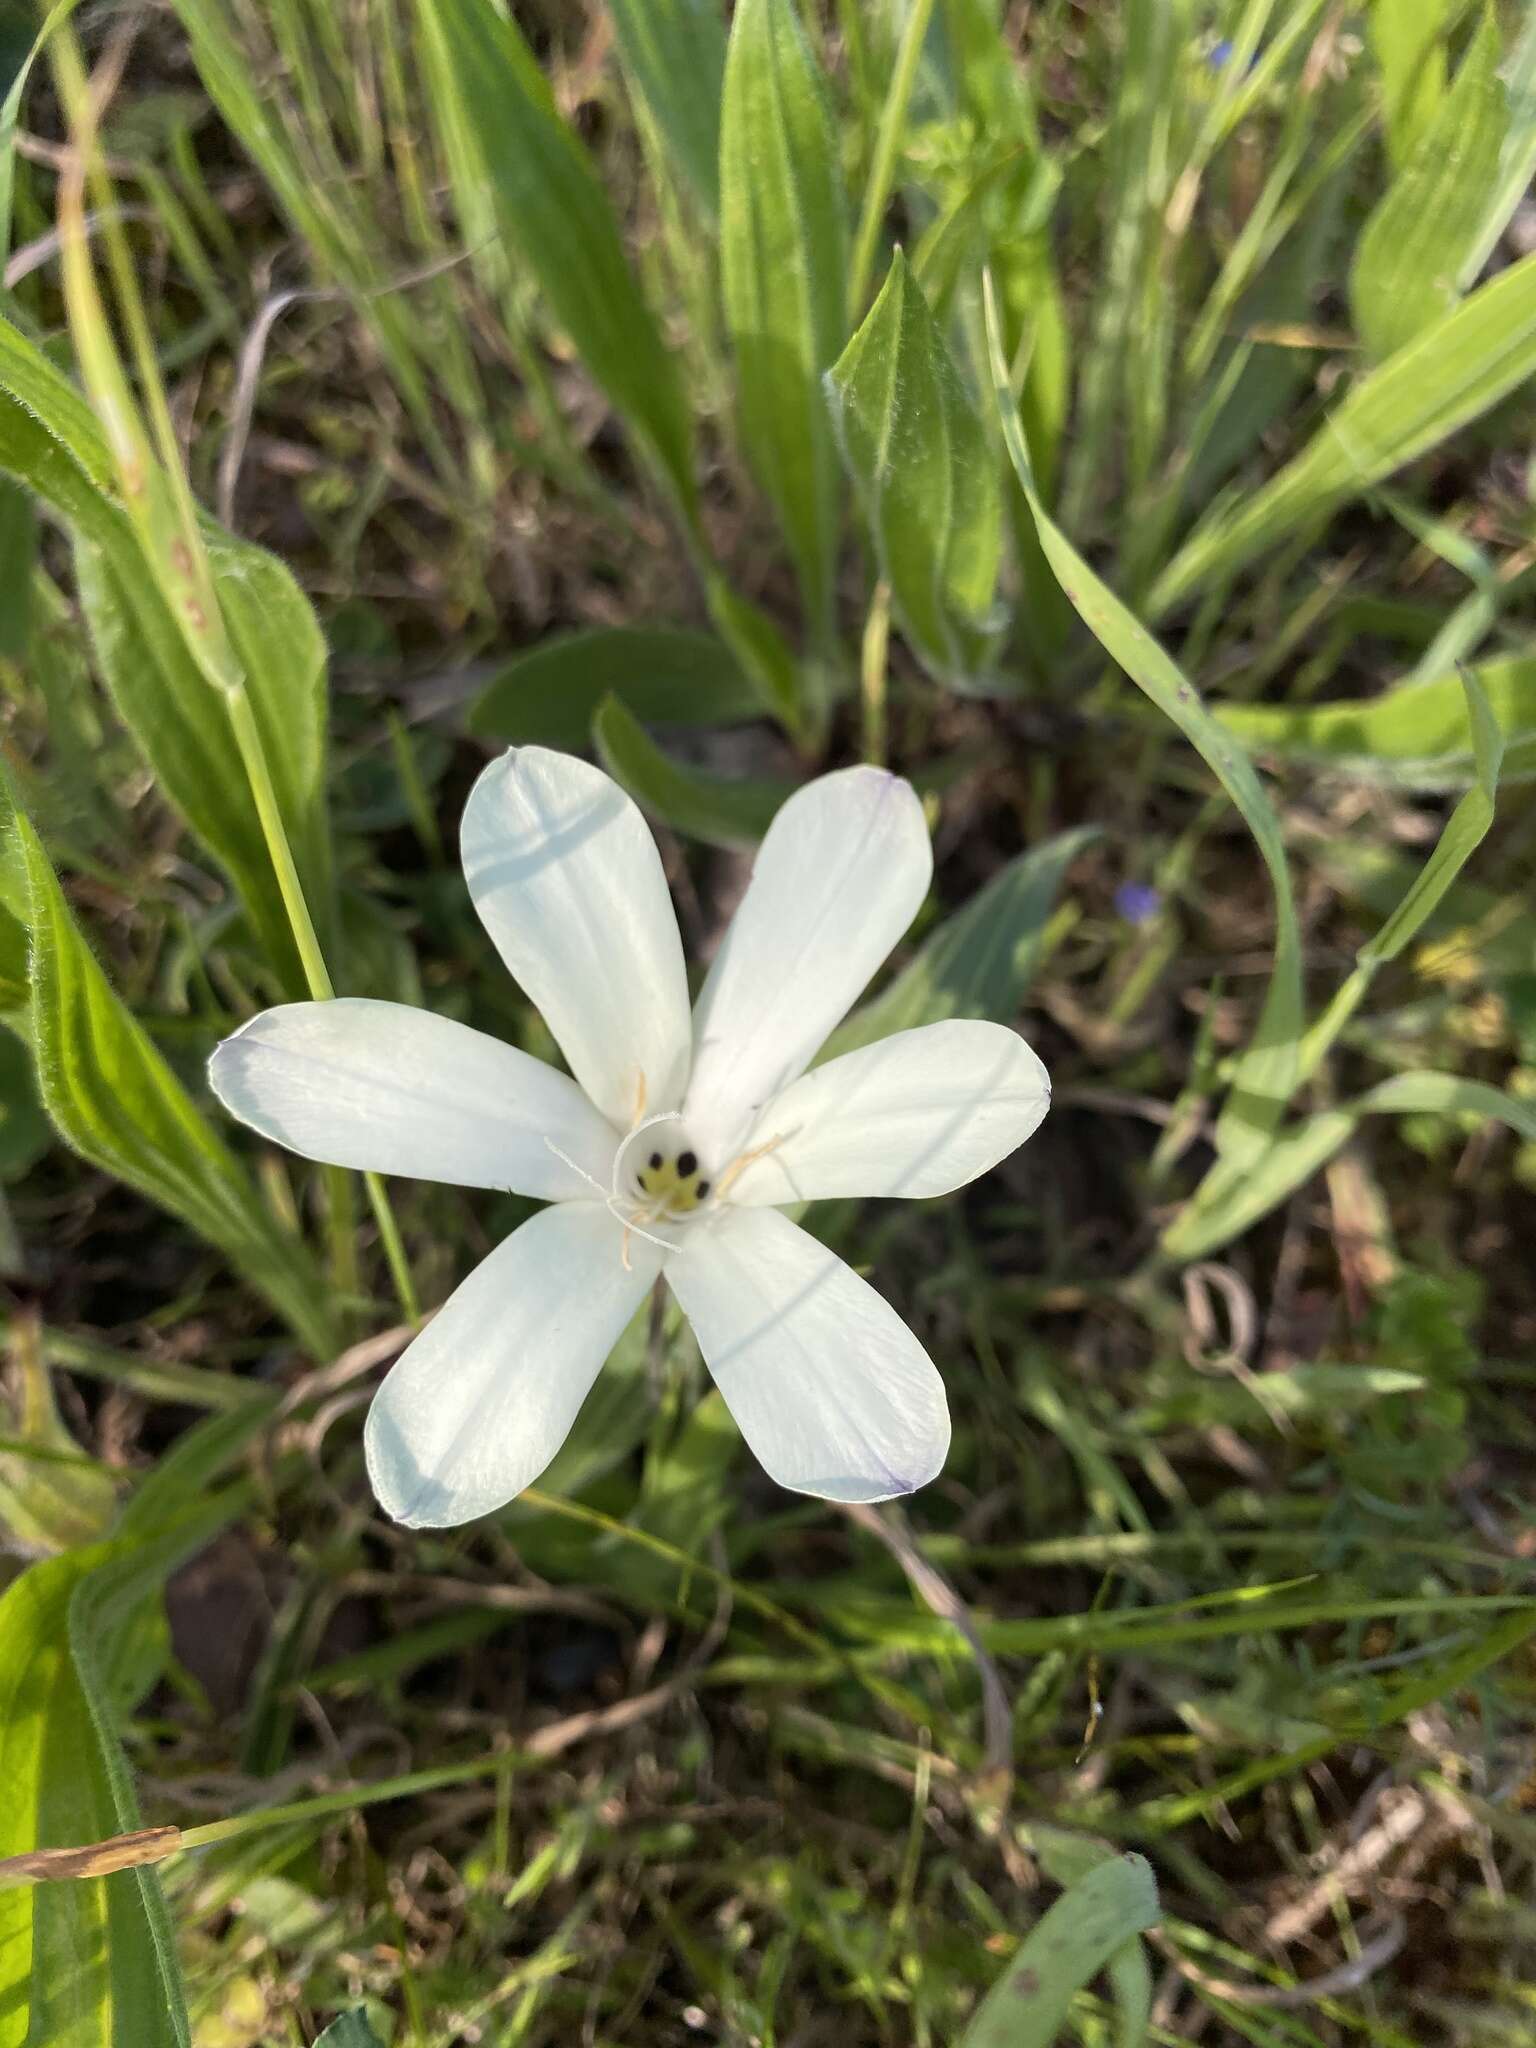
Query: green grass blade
{"type": "Point", "coordinates": [1413, 251]}
{"type": "Point", "coordinates": [555, 215]}
{"type": "Point", "coordinates": [1266, 1073]}
{"type": "Point", "coordinates": [915, 448]}
{"type": "Point", "coordinates": [1415, 735]}
{"type": "Point", "coordinates": [980, 961]}
{"type": "Point", "coordinates": [783, 260]}
{"type": "Point", "coordinates": [1465, 831]}
{"type": "Point", "coordinates": [1450, 373]}
{"type": "Point", "coordinates": [1227, 1206]}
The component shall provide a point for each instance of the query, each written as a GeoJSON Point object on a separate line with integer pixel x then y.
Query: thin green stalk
{"type": "Point", "coordinates": [882, 172]}
{"type": "Point", "coordinates": [252, 753]}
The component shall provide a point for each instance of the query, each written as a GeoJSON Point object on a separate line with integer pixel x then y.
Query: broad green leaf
{"type": "Point", "coordinates": [86, 1962]}
{"type": "Point", "coordinates": [18, 554]}
{"type": "Point", "coordinates": [1265, 1074]}
{"type": "Point", "coordinates": [915, 448]}
{"type": "Point", "coordinates": [664, 675]}
{"type": "Point", "coordinates": [761, 650]}
{"type": "Point", "coordinates": [1224, 1208]}
{"type": "Point", "coordinates": [50, 441]}
{"type": "Point", "coordinates": [1407, 39]}
{"type": "Point", "coordinates": [24, 1130]}
{"type": "Point", "coordinates": [719, 811]}
{"type": "Point", "coordinates": [1065, 1950]}
{"type": "Point", "coordinates": [1413, 250]}
{"type": "Point", "coordinates": [555, 215]}
{"type": "Point", "coordinates": [1453, 370]}
{"type": "Point", "coordinates": [1416, 735]}
{"type": "Point", "coordinates": [981, 961]}
{"type": "Point", "coordinates": [1465, 830]}
{"type": "Point", "coordinates": [349, 2030]}
{"type": "Point", "coordinates": [674, 54]}
{"type": "Point", "coordinates": [116, 1102]}
{"type": "Point", "coordinates": [783, 258]}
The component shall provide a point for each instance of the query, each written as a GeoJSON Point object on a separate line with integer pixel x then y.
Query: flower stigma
{"type": "Point", "coordinates": [666, 1189]}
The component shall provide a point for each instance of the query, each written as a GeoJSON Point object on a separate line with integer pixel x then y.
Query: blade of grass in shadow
{"type": "Point", "coordinates": [1265, 1074]}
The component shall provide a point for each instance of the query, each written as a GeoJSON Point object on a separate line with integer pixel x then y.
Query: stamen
{"type": "Point", "coordinates": [633, 1229]}
{"type": "Point", "coordinates": [743, 1160]}
{"type": "Point", "coordinates": [566, 1160]}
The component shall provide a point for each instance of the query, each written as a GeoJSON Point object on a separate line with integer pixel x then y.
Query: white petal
{"type": "Point", "coordinates": [388, 1089]}
{"type": "Point", "coordinates": [918, 1113]}
{"type": "Point", "coordinates": [568, 882]}
{"type": "Point", "coordinates": [837, 880]}
{"type": "Point", "coordinates": [482, 1400]}
{"type": "Point", "coordinates": [826, 1382]}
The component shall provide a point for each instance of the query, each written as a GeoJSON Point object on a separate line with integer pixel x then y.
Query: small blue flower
{"type": "Point", "coordinates": [1221, 53]}
{"type": "Point", "coordinates": [1138, 902]}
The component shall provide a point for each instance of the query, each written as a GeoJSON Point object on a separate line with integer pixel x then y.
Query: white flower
{"type": "Point", "coordinates": [669, 1150]}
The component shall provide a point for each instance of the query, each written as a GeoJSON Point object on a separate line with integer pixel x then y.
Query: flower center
{"type": "Point", "coordinates": [672, 1186]}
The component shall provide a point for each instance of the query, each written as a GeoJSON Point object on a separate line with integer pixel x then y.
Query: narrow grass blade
{"type": "Point", "coordinates": [1465, 830]}
{"type": "Point", "coordinates": [1452, 371]}
{"type": "Point", "coordinates": [1089, 1924]}
{"type": "Point", "coordinates": [1416, 734]}
{"type": "Point", "coordinates": [553, 212]}
{"type": "Point", "coordinates": [1266, 1072]}
{"type": "Point", "coordinates": [1225, 1208]}
{"type": "Point", "coordinates": [1413, 250]}
{"type": "Point", "coordinates": [914, 446]}
{"type": "Point", "coordinates": [783, 235]}
{"type": "Point", "coordinates": [981, 961]}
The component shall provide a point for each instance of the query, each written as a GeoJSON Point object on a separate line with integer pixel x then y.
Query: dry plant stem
{"type": "Point", "coordinates": [170, 532]}
{"type": "Point", "coordinates": [930, 1584]}
{"type": "Point", "coordinates": [253, 354]}
{"type": "Point", "coordinates": [1374, 1955]}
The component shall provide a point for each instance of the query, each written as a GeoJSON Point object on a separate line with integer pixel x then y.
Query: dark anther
{"type": "Point", "coordinates": [687, 1162]}
{"type": "Point", "coordinates": [655, 1162]}
{"type": "Point", "coordinates": [702, 1189]}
